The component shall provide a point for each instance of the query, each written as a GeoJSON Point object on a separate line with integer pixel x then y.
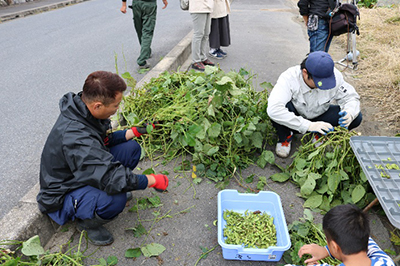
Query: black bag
{"type": "Point", "coordinates": [344, 20]}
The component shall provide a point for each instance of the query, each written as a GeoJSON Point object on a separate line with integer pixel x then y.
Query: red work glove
{"type": "Point", "coordinates": [161, 183]}
{"type": "Point", "coordinates": [138, 131]}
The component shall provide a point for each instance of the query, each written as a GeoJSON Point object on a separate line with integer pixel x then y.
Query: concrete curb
{"type": "Point", "coordinates": [172, 61]}
{"type": "Point", "coordinates": [25, 220]}
{"type": "Point", "coordinates": [36, 10]}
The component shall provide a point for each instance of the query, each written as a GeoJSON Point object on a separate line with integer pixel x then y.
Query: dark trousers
{"type": "Point", "coordinates": [84, 202]}
{"type": "Point", "coordinates": [331, 116]}
{"type": "Point", "coordinates": [144, 20]}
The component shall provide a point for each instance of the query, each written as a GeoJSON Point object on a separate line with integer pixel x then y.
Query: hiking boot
{"type": "Point", "coordinates": [317, 141]}
{"type": "Point", "coordinates": [219, 50]}
{"type": "Point", "coordinates": [208, 63]}
{"type": "Point", "coordinates": [145, 66]}
{"type": "Point", "coordinates": [283, 148]}
{"type": "Point", "coordinates": [198, 66]}
{"type": "Point", "coordinates": [216, 54]}
{"type": "Point", "coordinates": [98, 235]}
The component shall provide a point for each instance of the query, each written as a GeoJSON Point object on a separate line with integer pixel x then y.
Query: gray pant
{"type": "Point", "coordinates": [201, 31]}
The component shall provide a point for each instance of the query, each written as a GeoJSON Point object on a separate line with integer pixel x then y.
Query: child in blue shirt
{"type": "Point", "coordinates": [347, 231]}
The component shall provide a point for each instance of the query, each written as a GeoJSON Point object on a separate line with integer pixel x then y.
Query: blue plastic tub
{"type": "Point", "coordinates": [264, 201]}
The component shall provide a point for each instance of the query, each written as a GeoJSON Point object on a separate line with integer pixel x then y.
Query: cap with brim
{"type": "Point", "coordinates": [321, 66]}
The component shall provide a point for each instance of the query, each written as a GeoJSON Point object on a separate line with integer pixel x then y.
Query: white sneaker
{"type": "Point", "coordinates": [283, 148]}
{"type": "Point", "coordinates": [316, 140]}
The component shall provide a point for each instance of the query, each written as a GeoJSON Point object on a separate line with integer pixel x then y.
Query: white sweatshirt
{"type": "Point", "coordinates": [309, 103]}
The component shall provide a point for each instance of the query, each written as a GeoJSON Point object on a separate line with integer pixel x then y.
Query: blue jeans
{"type": "Point", "coordinates": [84, 202]}
{"type": "Point", "coordinates": [331, 116]}
{"type": "Point", "coordinates": [319, 38]}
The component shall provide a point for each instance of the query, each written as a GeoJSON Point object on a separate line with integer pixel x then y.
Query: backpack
{"type": "Point", "coordinates": [343, 19]}
{"type": "Point", "coordinates": [184, 4]}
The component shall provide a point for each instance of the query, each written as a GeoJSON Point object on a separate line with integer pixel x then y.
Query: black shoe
{"type": "Point", "coordinates": [208, 63]}
{"type": "Point", "coordinates": [145, 66]}
{"type": "Point", "coordinates": [198, 66]}
{"type": "Point", "coordinates": [98, 235]}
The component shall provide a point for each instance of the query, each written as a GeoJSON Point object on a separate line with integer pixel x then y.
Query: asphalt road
{"type": "Point", "coordinates": [44, 56]}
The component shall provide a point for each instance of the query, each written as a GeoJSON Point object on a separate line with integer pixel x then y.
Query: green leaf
{"type": "Point", "coordinates": [32, 247]}
{"type": "Point", "coordinates": [363, 177]}
{"type": "Point", "coordinates": [148, 171]}
{"type": "Point", "coordinates": [303, 230]}
{"type": "Point", "coordinates": [199, 80]}
{"type": "Point", "coordinates": [266, 85]}
{"type": "Point", "coordinates": [307, 214]}
{"type": "Point", "coordinates": [333, 181]}
{"type": "Point", "coordinates": [194, 130]}
{"type": "Point", "coordinates": [280, 177]}
{"type": "Point", "coordinates": [308, 187]}
{"type": "Point", "coordinates": [268, 156]}
{"type": "Point", "coordinates": [126, 75]}
{"type": "Point", "coordinates": [249, 179]}
{"type": "Point", "coordinates": [153, 249]}
{"type": "Point", "coordinates": [112, 260]}
{"type": "Point", "coordinates": [346, 197]}
{"type": "Point", "coordinates": [212, 151]}
{"type": "Point", "coordinates": [197, 180]}
{"type": "Point", "coordinates": [314, 176]}
{"type": "Point", "coordinates": [313, 154]}
{"type": "Point", "coordinates": [238, 138]}
{"type": "Point", "coordinates": [155, 201]}
{"type": "Point", "coordinates": [262, 181]}
{"type": "Point", "coordinates": [331, 165]}
{"type": "Point", "coordinates": [344, 175]}
{"type": "Point", "coordinates": [133, 253]}
{"type": "Point", "coordinates": [149, 129]}
{"type": "Point", "coordinates": [325, 205]}
{"type": "Point", "coordinates": [210, 110]}
{"type": "Point", "coordinates": [214, 130]}
{"type": "Point", "coordinates": [138, 231]}
{"type": "Point", "coordinates": [257, 140]}
{"type": "Point", "coordinates": [358, 193]}
{"type": "Point", "coordinates": [217, 101]}
{"type": "Point", "coordinates": [301, 164]}
{"type": "Point", "coordinates": [201, 134]}
{"type": "Point", "coordinates": [102, 262]}
{"type": "Point", "coordinates": [313, 201]}
{"type": "Point", "coordinates": [190, 140]}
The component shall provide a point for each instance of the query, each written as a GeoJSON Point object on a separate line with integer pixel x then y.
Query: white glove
{"type": "Point", "coordinates": [320, 127]}
{"type": "Point", "coordinates": [345, 119]}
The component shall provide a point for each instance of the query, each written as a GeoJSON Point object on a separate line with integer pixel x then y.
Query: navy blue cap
{"type": "Point", "coordinates": [320, 65]}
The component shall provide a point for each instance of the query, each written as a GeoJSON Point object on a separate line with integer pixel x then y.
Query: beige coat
{"type": "Point", "coordinates": [201, 6]}
{"type": "Point", "coordinates": [221, 9]}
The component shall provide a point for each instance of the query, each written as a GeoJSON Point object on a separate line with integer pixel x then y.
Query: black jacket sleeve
{"type": "Point", "coordinates": [92, 164]}
{"type": "Point", "coordinates": [304, 6]}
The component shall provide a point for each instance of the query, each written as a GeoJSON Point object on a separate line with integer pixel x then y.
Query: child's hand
{"type": "Point", "coordinates": [317, 252]}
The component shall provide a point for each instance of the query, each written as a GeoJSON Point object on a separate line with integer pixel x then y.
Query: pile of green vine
{"type": "Point", "coordinates": [328, 175]}
{"type": "Point", "coordinates": [216, 117]}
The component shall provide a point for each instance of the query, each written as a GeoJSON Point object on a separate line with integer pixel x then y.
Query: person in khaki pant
{"type": "Point", "coordinates": [200, 11]}
{"type": "Point", "coordinates": [144, 19]}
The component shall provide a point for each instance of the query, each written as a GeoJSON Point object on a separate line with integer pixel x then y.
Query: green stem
{"type": "Point", "coordinates": [205, 253]}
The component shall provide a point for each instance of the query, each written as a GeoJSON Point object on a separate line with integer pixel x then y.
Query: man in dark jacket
{"type": "Point", "coordinates": [315, 14]}
{"type": "Point", "coordinates": [85, 174]}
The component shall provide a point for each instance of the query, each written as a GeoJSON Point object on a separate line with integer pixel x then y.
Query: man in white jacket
{"type": "Point", "coordinates": [312, 97]}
